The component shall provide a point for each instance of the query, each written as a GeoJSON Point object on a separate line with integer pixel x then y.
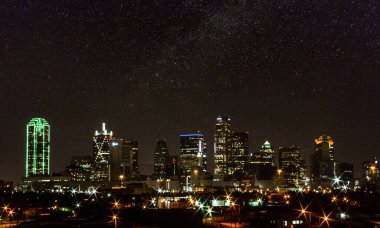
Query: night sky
{"type": "Point", "coordinates": [286, 71]}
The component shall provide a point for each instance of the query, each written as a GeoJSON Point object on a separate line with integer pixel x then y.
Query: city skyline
{"type": "Point", "coordinates": [283, 71]}
{"type": "Point", "coordinates": [209, 153]}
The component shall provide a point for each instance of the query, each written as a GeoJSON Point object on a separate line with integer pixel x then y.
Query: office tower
{"type": "Point", "coordinates": [101, 152]}
{"type": "Point", "coordinates": [262, 166]}
{"type": "Point", "coordinates": [133, 168]}
{"type": "Point", "coordinates": [292, 165]}
{"type": "Point", "coordinates": [37, 148]}
{"type": "Point", "coordinates": [161, 158]}
{"type": "Point", "coordinates": [192, 153]}
{"type": "Point", "coordinates": [222, 145]}
{"type": "Point", "coordinates": [345, 172]}
{"type": "Point", "coordinates": [123, 161]}
{"type": "Point", "coordinates": [323, 162]}
{"type": "Point", "coordinates": [80, 168]}
{"type": "Point", "coordinates": [238, 160]}
{"type": "Point", "coordinates": [265, 155]}
{"type": "Point", "coordinates": [171, 167]}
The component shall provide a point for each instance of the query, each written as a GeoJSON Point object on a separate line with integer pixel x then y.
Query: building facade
{"type": "Point", "coordinates": [238, 160]}
{"type": "Point", "coordinates": [323, 162]}
{"type": "Point", "coordinates": [123, 161]}
{"type": "Point", "coordinates": [192, 156]}
{"type": "Point", "coordinates": [222, 146]}
{"type": "Point", "coordinates": [37, 148]}
{"type": "Point", "coordinates": [265, 155]}
{"type": "Point", "coordinates": [101, 152]}
{"type": "Point", "coordinates": [161, 159]}
{"type": "Point", "coordinates": [292, 166]}
{"type": "Point", "coordinates": [80, 168]}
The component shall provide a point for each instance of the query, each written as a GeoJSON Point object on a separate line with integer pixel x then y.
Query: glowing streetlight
{"type": "Point", "coordinates": [304, 212]}
{"type": "Point", "coordinates": [326, 218]}
{"type": "Point", "coordinates": [121, 177]}
{"type": "Point", "coordinates": [114, 218]}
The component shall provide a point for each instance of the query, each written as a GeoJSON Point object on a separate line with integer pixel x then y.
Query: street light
{"type": "Point", "coordinates": [114, 218]}
{"type": "Point", "coordinates": [121, 180]}
{"type": "Point", "coordinates": [304, 212]}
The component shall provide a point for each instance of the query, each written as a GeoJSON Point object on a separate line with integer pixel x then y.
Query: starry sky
{"type": "Point", "coordinates": [286, 71]}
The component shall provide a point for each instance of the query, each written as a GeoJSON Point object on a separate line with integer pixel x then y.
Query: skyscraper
{"type": "Point", "coordinates": [265, 155]}
{"type": "Point", "coordinates": [192, 153]}
{"type": "Point", "coordinates": [161, 159]}
{"type": "Point", "coordinates": [323, 162]}
{"type": "Point", "coordinates": [123, 161]}
{"type": "Point", "coordinates": [292, 164]}
{"type": "Point", "coordinates": [37, 147]}
{"type": "Point", "coordinates": [238, 160]}
{"type": "Point", "coordinates": [222, 145]}
{"type": "Point", "coordinates": [262, 165]}
{"type": "Point", "coordinates": [101, 152]}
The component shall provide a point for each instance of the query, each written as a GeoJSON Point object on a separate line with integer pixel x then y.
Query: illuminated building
{"type": "Point", "coordinates": [371, 175]}
{"type": "Point", "coordinates": [80, 168]}
{"type": "Point", "coordinates": [238, 160]}
{"type": "Point", "coordinates": [123, 161]}
{"type": "Point", "coordinates": [37, 148]}
{"type": "Point", "coordinates": [161, 158]}
{"type": "Point", "coordinates": [192, 155]}
{"type": "Point", "coordinates": [262, 165]}
{"type": "Point", "coordinates": [323, 162]}
{"type": "Point", "coordinates": [292, 165]}
{"type": "Point", "coordinates": [101, 152]}
{"type": "Point", "coordinates": [222, 145]}
{"type": "Point", "coordinates": [265, 155]}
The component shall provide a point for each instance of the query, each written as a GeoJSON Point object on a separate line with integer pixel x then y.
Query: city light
{"type": "Point", "coordinates": [326, 218]}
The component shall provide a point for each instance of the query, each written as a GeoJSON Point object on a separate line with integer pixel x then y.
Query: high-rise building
{"type": "Point", "coordinates": [123, 161]}
{"type": "Point", "coordinates": [192, 153]}
{"type": "Point", "coordinates": [161, 158]}
{"type": "Point", "coordinates": [237, 162]}
{"type": "Point", "coordinates": [133, 168]}
{"type": "Point", "coordinates": [171, 168]}
{"type": "Point", "coordinates": [37, 148]}
{"type": "Point", "coordinates": [323, 162]}
{"type": "Point", "coordinates": [265, 155]}
{"type": "Point", "coordinates": [262, 166]}
{"type": "Point", "coordinates": [293, 165]}
{"type": "Point", "coordinates": [101, 152]}
{"type": "Point", "coordinates": [222, 145]}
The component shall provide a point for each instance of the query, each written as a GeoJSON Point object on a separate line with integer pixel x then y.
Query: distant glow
{"type": "Point", "coordinates": [191, 135]}
{"type": "Point", "coordinates": [115, 143]}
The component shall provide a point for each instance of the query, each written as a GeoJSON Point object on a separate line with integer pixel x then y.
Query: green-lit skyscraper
{"type": "Point", "coordinates": [37, 148]}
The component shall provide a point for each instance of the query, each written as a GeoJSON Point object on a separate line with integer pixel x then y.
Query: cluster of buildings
{"type": "Point", "coordinates": [114, 164]}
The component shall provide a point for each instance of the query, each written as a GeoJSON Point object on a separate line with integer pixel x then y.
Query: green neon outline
{"type": "Point", "coordinates": [36, 126]}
